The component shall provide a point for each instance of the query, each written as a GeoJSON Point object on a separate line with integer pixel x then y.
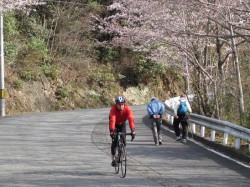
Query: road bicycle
{"type": "Point", "coordinates": [121, 155]}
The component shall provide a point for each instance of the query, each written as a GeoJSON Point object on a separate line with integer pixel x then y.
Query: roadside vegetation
{"type": "Point", "coordinates": [52, 62]}
{"type": "Point", "coordinates": [56, 58]}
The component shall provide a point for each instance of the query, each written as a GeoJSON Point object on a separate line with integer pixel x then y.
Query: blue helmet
{"type": "Point", "coordinates": [120, 99]}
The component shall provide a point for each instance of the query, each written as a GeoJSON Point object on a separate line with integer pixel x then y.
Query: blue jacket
{"type": "Point", "coordinates": [155, 107]}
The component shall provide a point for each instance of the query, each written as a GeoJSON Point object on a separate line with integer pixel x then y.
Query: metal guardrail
{"type": "Point", "coordinates": [239, 132]}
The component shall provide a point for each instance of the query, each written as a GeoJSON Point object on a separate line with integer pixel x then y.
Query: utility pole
{"type": "Point", "coordinates": [2, 91]}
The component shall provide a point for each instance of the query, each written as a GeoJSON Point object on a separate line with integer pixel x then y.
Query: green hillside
{"type": "Point", "coordinates": [52, 62]}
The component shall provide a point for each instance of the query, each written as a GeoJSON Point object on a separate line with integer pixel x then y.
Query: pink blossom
{"type": "Point", "coordinates": [7, 5]}
{"type": "Point", "coordinates": [178, 28]}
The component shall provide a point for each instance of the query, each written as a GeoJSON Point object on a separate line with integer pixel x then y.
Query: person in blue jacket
{"type": "Point", "coordinates": [156, 110]}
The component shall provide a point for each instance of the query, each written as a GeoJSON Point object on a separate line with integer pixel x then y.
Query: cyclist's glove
{"type": "Point", "coordinates": [132, 134]}
{"type": "Point", "coordinates": [112, 134]}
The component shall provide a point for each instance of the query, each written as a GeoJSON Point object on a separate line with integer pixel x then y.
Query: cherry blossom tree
{"type": "Point", "coordinates": [233, 20]}
{"type": "Point", "coordinates": [230, 25]}
{"type": "Point", "coordinates": [149, 25]}
{"type": "Point", "coordinates": [173, 32]}
{"type": "Point", "coordinates": [159, 28]}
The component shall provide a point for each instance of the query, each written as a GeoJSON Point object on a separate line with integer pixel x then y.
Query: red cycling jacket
{"type": "Point", "coordinates": [119, 117]}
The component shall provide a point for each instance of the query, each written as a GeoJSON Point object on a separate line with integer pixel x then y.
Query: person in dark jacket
{"type": "Point", "coordinates": [156, 110]}
{"type": "Point", "coordinates": [181, 117]}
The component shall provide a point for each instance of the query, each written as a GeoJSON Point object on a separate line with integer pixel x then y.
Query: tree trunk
{"type": "Point", "coordinates": [237, 66]}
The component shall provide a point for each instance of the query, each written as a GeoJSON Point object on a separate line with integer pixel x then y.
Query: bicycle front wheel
{"type": "Point", "coordinates": [123, 161]}
{"type": "Point", "coordinates": [117, 168]}
{"type": "Point", "coordinates": [117, 164]}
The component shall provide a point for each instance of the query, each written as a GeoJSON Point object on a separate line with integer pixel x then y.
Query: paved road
{"type": "Point", "coordinates": [72, 149]}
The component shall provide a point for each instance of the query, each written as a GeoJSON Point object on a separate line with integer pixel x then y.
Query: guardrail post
{"type": "Point", "coordinates": [193, 128]}
{"type": "Point", "coordinates": [237, 143]}
{"type": "Point", "coordinates": [202, 133]}
{"type": "Point", "coordinates": [225, 138]}
{"type": "Point", "coordinates": [168, 116]}
{"type": "Point", "coordinates": [213, 135]}
{"type": "Point", "coordinates": [248, 146]}
{"type": "Point", "coordinates": [172, 120]}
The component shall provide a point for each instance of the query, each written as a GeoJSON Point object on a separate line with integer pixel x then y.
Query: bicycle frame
{"type": "Point", "coordinates": [121, 155]}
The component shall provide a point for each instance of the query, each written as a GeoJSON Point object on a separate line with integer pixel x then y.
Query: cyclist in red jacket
{"type": "Point", "coordinates": [118, 115]}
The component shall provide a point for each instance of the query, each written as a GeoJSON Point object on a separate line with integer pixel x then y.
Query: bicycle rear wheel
{"type": "Point", "coordinates": [123, 160]}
